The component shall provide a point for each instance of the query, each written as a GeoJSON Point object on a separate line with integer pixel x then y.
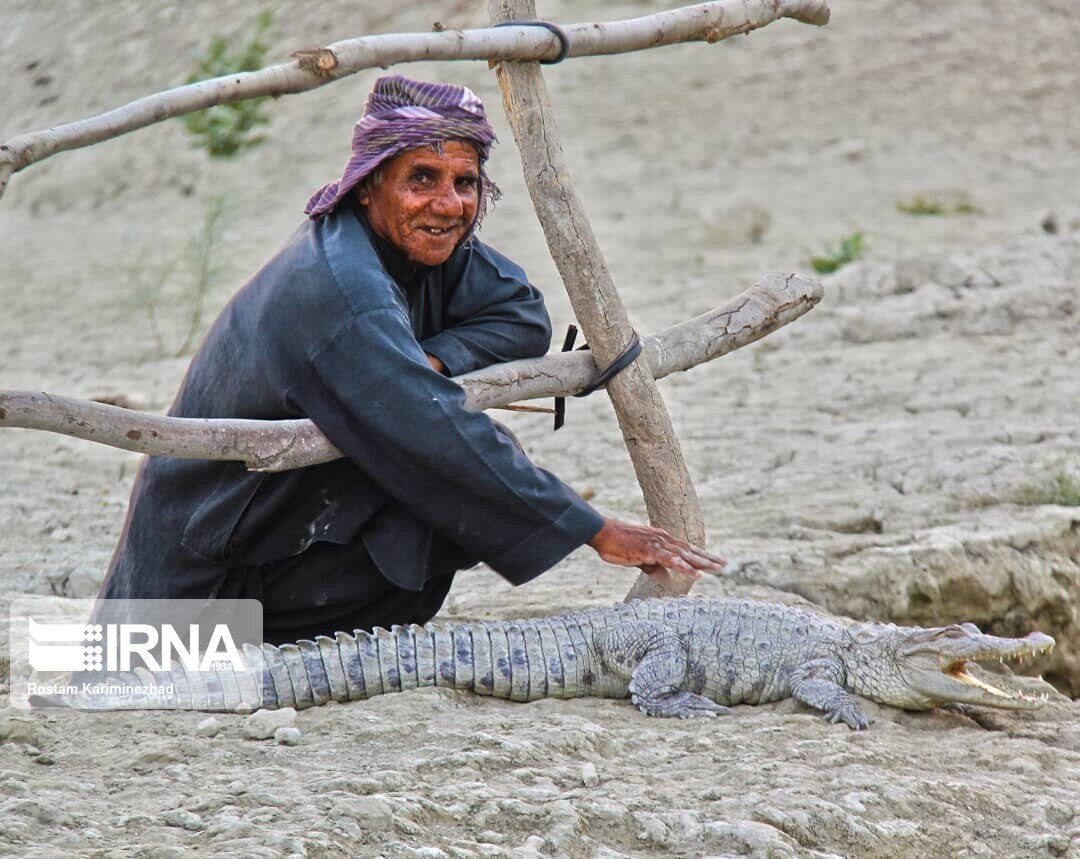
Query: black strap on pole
{"type": "Point", "coordinates": [560, 402]}
{"type": "Point", "coordinates": [624, 360]}
{"type": "Point", "coordinates": [560, 34]}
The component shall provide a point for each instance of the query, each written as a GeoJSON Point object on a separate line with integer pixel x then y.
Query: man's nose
{"type": "Point", "coordinates": [448, 201]}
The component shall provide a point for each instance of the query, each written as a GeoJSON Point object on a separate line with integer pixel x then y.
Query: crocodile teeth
{"type": "Point", "coordinates": [961, 675]}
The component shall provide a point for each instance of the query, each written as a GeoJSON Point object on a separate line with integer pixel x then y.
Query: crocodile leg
{"type": "Point", "coordinates": [817, 684]}
{"type": "Point", "coordinates": [654, 660]}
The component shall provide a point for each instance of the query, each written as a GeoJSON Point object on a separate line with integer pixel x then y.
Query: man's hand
{"type": "Point", "coordinates": [644, 546]}
{"type": "Point", "coordinates": [436, 365]}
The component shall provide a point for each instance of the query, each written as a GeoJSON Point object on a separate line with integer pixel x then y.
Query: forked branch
{"type": "Point", "coordinates": [312, 68]}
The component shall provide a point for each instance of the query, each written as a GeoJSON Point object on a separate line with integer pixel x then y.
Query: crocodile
{"type": "Point", "coordinates": [681, 657]}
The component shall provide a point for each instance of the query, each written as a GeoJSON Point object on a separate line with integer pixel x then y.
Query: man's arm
{"type": "Point", "coordinates": [502, 317]}
{"type": "Point", "coordinates": [371, 390]}
{"type": "Point", "coordinates": [373, 393]}
{"type": "Point", "coordinates": [491, 312]}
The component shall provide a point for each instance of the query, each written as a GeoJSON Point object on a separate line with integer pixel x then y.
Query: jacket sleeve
{"type": "Point", "coordinates": [492, 315]}
{"type": "Point", "coordinates": [373, 393]}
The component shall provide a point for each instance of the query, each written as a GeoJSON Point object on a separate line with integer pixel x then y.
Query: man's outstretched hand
{"type": "Point", "coordinates": [630, 545]}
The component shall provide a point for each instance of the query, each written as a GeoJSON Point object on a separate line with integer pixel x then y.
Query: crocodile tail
{"type": "Point", "coordinates": [352, 666]}
{"type": "Point", "coordinates": [523, 660]}
{"type": "Point", "coordinates": [520, 661]}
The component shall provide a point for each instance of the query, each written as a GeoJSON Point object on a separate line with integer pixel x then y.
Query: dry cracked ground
{"type": "Point", "coordinates": [908, 451]}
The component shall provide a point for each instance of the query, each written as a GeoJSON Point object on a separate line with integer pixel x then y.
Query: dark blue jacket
{"type": "Point", "coordinates": [324, 331]}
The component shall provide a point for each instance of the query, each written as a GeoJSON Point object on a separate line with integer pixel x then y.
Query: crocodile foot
{"type": "Point", "coordinates": [682, 705]}
{"type": "Point", "coordinates": [850, 715]}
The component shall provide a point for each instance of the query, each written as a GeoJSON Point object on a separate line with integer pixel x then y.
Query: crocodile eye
{"type": "Point", "coordinates": [951, 631]}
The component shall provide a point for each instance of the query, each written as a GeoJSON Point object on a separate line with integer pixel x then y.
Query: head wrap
{"type": "Point", "coordinates": [403, 114]}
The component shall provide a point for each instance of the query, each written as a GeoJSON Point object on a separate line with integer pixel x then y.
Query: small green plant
{"type": "Point", "coordinates": [965, 208]}
{"type": "Point", "coordinates": [203, 269]}
{"type": "Point", "coordinates": [1062, 489]}
{"type": "Point", "coordinates": [920, 205]}
{"type": "Point", "coordinates": [150, 286]}
{"type": "Point", "coordinates": [226, 129]}
{"type": "Point", "coordinates": [851, 248]}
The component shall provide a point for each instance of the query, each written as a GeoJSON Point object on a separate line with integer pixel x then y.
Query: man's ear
{"type": "Point", "coordinates": [363, 195]}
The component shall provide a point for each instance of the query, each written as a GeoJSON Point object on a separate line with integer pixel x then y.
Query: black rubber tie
{"type": "Point", "coordinates": [560, 34]}
{"type": "Point", "coordinates": [560, 402]}
{"type": "Point", "coordinates": [625, 359]}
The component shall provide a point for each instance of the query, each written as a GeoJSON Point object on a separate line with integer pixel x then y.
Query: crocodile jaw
{"type": "Point", "coordinates": [949, 678]}
{"type": "Point", "coordinates": [992, 696]}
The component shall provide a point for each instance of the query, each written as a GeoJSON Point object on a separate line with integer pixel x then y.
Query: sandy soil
{"type": "Point", "coordinates": [871, 457]}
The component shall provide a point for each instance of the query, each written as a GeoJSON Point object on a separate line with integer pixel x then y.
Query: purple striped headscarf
{"type": "Point", "coordinates": [403, 114]}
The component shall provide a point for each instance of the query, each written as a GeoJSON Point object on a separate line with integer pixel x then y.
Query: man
{"type": "Point", "coordinates": [356, 324]}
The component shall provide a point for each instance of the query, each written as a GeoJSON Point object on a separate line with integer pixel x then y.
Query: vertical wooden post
{"type": "Point", "coordinates": [654, 449]}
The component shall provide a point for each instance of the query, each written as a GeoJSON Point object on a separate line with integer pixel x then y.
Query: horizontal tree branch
{"type": "Point", "coordinates": [280, 445]}
{"type": "Point", "coordinates": [709, 22]}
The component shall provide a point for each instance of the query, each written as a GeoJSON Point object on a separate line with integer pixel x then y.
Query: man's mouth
{"type": "Point", "coordinates": [438, 231]}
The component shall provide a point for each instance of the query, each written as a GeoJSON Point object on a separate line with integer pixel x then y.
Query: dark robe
{"type": "Point", "coordinates": [335, 328]}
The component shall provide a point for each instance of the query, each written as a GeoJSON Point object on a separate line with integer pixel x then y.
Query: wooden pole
{"type": "Point", "coordinates": [670, 497]}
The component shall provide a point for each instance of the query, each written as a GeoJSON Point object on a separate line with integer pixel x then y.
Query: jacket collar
{"type": "Point", "coordinates": [393, 260]}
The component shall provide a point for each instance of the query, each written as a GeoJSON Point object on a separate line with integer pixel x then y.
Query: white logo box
{"type": "Point", "coordinates": [131, 654]}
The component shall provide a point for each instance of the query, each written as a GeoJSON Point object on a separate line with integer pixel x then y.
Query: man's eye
{"type": "Point", "coordinates": [421, 176]}
{"type": "Point", "coordinates": [467, 182]}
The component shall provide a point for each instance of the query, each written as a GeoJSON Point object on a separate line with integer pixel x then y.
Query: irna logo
{"type": "Point", "coordinates": [112, 646]}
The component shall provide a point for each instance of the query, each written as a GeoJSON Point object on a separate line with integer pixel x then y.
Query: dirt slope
{"type": "Point", "coordinates": [877, 457]}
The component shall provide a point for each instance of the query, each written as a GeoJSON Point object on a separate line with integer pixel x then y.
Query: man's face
{"type": "Point", "coordinates": [426, 201]}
